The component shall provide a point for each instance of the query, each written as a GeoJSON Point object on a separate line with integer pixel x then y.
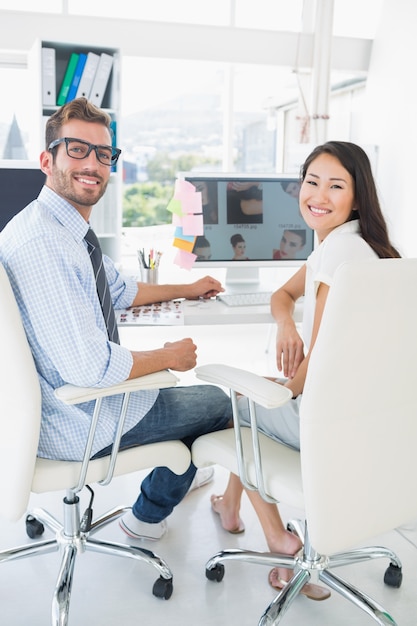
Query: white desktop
{"type": "Point", "coordinates": [251, 222]}
{"type": "Point", "coordinates": [213, 311]}
{"type": "Point", "coordinates": [254, 239]}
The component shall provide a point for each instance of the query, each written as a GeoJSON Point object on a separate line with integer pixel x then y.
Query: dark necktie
{"type": "Point", "coordinates": [103, 290]}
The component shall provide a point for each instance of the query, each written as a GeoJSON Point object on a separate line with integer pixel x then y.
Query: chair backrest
{"type": "Point", "coordinates": [20, 407]}
{"type": "Point", "coordinates": [359, 407]}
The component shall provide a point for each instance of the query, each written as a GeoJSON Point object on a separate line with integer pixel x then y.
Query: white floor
{"type": "Point", "coordinates": [111, 591]}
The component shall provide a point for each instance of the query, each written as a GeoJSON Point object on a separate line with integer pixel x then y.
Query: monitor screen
{"type": "Point", "coordinates": [250, 221]}
{"type": "Point", "coordinates": [20, 183]}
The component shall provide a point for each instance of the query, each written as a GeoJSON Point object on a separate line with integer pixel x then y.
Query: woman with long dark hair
{"type": "Point", "coordinates": [339, 201]}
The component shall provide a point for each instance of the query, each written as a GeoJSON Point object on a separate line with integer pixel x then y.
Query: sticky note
{"type": "Point", "coordinates": [185, 259]}
{"type": "Point", "coordinates": [193, 224]}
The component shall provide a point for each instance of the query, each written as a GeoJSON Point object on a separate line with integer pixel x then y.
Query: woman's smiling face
{"type": "Point", "coordinates": [327, 195]}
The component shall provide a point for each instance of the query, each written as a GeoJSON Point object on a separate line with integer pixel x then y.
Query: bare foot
{"type": "Point", "coordinates": [311, 591]}
{"type": "Point", "coordinates": [288, 544]}
{"type": "Point", "coordinates": [230, 521]}
{"type": "Point", "coordinates": [279, 576]}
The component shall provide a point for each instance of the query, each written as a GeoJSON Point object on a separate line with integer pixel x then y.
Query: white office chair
{"type": "Point", "coordinates": [21, 472]}
{"type": "Point", "coordinates": [355, 475]}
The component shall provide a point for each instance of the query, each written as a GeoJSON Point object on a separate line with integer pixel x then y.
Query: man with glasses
{"type": "Point", "coordinates": [66, 297]}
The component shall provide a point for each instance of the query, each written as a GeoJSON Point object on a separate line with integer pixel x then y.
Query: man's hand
{"type": "Point", "coordinates": [206, 287]}
{"type": "Point", "coordinates": [181, 354]}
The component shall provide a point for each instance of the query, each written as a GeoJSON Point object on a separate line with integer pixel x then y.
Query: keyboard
{"type": "Point", "coordinates": [245, 299]}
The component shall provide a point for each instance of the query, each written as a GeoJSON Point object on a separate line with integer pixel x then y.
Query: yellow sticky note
{"type": "Point", "coordinates": [184, 245]}
{"type": "Point", "coordinates": [174, 206]}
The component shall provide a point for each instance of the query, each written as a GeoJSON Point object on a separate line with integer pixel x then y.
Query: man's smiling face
{"type": "Point", "coordinates": [80, 181]}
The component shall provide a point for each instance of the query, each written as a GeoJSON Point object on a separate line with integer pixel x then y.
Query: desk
{"type": "Point", "coordinates": [212, 312]}
{"type": "Point", "coordinates": [215, 312]}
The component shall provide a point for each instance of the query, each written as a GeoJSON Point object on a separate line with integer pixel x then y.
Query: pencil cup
{"type": "Point", "coordinates": [149, 275]}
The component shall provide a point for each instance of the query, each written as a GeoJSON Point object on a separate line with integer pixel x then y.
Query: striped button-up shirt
{"type": "Point", "coordinates": [46, 258]}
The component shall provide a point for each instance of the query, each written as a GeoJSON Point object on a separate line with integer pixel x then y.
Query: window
{"type": "Point", "coordinates": [13, 114]}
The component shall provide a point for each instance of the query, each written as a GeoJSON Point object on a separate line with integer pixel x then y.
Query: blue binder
{"type": "Point", "coordinates": [77, 77]}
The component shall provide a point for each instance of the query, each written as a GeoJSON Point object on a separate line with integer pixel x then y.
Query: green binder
{"type": "Point", "coordinates": [66, 83]}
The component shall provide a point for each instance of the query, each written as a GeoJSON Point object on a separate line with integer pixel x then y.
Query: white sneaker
{"type": "Point", "coordinates": [136, 529]}
{"type": "Point", "coordinates": [202, 477]}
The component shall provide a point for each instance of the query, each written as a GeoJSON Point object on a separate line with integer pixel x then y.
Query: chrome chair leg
{"type": "Point", "coordinates": [363, 554]}
{"type": "Point", "coordinates": [282, 602]}
{"type": "Point", "coordinates": [249, 556]}
{"type": "Point", "coordinates": [47, 520]}
{"type": "Point", "coordinates": [21, 552]}
{"type": "Point", "coordinates": [360, 599]}
{"type": "Point", "coordinates": [62, 593]}
{"type": "Point", "coordinates": [134, 552]}
{"type": "Point", "coordinates": [108, 518]}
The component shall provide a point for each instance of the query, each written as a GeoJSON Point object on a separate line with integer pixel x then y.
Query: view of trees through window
{"type": "Point", "coordinates": [178, 121]}
{"type": "Point", "coordinates": [145, 203]}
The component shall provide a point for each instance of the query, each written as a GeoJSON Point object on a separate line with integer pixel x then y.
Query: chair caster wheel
{"type": "Point", "coordinates": [34, 528]}
{"type": "Point", "coordinates": [163, 588]}
{"type": "Point", "coordinates": [393, 576]}
{"type": "Point", "coordinates": [216, 573]}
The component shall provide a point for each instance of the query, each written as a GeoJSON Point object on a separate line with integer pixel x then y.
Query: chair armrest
{"type": "Point", "coordinates": [262, 391]}
{"type": "Point", "coordinates": [259, 391]}
{"type": "Point", "coordinates": [70, 394]}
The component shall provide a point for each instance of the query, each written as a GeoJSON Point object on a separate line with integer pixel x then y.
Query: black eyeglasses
{"type": "Point", "coordinates": [79, 149]}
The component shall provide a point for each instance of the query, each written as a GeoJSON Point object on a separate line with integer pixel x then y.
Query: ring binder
{"type": "Point", "coordinates": [66, 83]}
{"type": "Point", "coordinates": [48, 77]}
{"type": "Point", "coordinates": [87, 78]}
{"type": "Point", "coordinates": [101, 79]}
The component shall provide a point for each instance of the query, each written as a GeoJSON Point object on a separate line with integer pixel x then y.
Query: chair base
{"type": "Point", "coordinates": [308, 566]}
{"type": "Point", "coordinates": [70, 539]}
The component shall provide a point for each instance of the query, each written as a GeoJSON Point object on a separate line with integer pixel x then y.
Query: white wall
{"type": "Point", "coordinates": [389, 119]}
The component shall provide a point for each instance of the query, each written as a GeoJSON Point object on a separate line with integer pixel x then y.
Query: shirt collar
{"type": "Point", "coordinates": [352, 226]}
{"type": "Point", "coordinates": [64, 212]}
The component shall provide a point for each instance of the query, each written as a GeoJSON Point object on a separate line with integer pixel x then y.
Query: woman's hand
{"type": "Point", "coordinates": [289, 349]}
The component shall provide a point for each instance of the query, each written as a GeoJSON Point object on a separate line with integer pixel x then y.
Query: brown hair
{"type": "Point", "coordinates": [235, 239]}
{"type": "Point", "coordinates": [373, 227]}
{"type": "Point", "coordinates": [78, 109]}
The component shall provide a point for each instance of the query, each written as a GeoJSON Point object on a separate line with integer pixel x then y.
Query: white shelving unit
{"type": "Point", "coordinates": [107, 214]}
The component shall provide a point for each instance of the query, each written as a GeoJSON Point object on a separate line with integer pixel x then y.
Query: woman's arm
{"type": "Point", "coordinates": [289, 345]}
{"type": "Point", "coordinates": [296, 384]}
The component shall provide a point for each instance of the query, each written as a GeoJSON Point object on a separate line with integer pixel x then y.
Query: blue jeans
{"type": "Point", "coordinates": [182, 413]}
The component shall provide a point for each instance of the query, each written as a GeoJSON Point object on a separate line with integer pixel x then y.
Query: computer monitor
{"type": "Point", "coordinates": [251, 221]}
{"type": "Point", "coordinates": [20, 183]}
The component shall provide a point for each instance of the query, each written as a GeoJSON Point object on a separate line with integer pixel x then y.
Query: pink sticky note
{"type": "Point", "coordinates": [192, 224]}
{"type": "Point", "coordinates": [182, 187]}
{"type": "Point", "coordinates": [176, 219]}
{"type": "Point", "coordinates": [192, 203]}
{"type": "Point", "coordinates": [185, 259]}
